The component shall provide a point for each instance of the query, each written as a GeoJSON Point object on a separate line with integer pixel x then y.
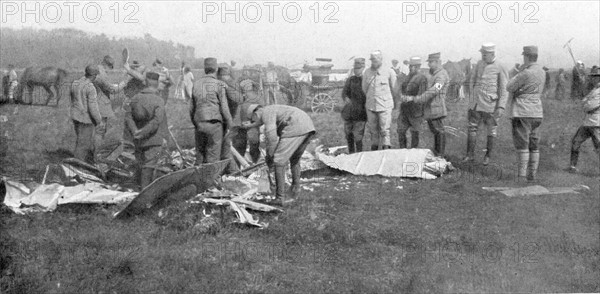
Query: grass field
{"type": "Point", "coordinates": [350, 234]}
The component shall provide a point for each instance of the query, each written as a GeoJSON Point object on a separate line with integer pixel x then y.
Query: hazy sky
{"type": "Point", "coordinates": [398, 28]}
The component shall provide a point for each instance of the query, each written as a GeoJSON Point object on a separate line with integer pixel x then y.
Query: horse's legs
{"type": "Point", "coordinates": [50, 93]}
{"type": "Point", "coordinates": [57, 87]}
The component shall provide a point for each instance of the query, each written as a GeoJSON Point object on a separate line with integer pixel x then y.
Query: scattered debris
{"type": "Point", "coordinates": [537, 190]}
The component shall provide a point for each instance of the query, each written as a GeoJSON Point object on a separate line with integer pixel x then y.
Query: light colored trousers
{"type": "Point", "coordinates": [379, 123]}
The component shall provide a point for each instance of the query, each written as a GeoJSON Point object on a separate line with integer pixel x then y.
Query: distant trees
{"type": "Point", "coordinates": [73, 49]}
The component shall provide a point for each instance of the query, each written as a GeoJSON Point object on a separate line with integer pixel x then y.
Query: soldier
{"type": "Point", "coordinates": [578, 82]}
{"type": "Point", "coordinates": [288, 131]}
{"type": "Point", "coordinates": [147, 121]}
{"type": "Point", "coordinates": [487, 101]}
{"type": "Point", "coordinates": [561, 84]}
{"type": "Point", "coordinates": [248, 136]}
{"type": "Point", "coordinates": [435, 102]}
{"type": "Point", "coordinates": [210, 114]}
{"type": "Point", "coordinates": [590, 127]}
{"type": "Point", "coordinates": [525, 105]}
{"type": "Point", "coordinates": [234, 101]}
{"type": "Point", "coordinates": [272, 83]}
{"type": "Point", "coordinates": [104, 89]}
{"type": "Point", "coordinates": [85, 114]}
{"type": "Point", "coordinates": [165, 81]}
{"type": "Point", "coordinates": [378, 83]}
{"type": "Point", "coordinates": [188, 83]}
{"type": "Point", "coordinates": [411, 113]}
{"type": "Point", "coordinates": [354, 113]}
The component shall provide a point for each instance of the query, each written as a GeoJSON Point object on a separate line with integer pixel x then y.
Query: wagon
{"type": "Point", "coordinates": [320, 93]}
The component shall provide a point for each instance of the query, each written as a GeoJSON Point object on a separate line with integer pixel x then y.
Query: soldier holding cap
{"type": "Point", "coordinates": [288, 131]}
{"type": "Point", "coordinates": [378, 83]}
{"type": "Point", "coordinates": [525, 108]}
{"type": "Point", "coordinates": [354, 113]}
{"type": "Point", "coordinates": [210, 114]}
{"type": "Point", "coordinates": [434, 100]}
{"type": "Point", "coordinates": [488, 100]}
{"type": "Point", "coordinates": [85, 113]}
{"type": "Point", "coordinates": [165, 81]}
{"type": "Point", "coordinates": [146, 119]}
{"type": "Point", "coordinates": [412, 114]}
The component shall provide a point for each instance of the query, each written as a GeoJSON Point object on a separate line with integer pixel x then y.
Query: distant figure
{"type": "Point", "coordinates": [147, 121]}
{"type": "Point", "coordinates": [396, 67]}
{"type": "Point", "coordinates": [487, 102]}
{"type": "Point", "coordinates": [526, 111]}
{"type": "Point", "coordinates": [305, 75]}
{"type": "Point", "coordinates": [188, 83]}
{"type": "Point", "coordinates": [412, 115]}
{"type": "Point", "coordinates": [590, 127]}
{"type": "Point", "coordinates": [578, 81]}
{"type": "Point", "coordinates": [378, 84]}
{"type": "Point", "coordinates": [354, 113]}
{"type": "Point", "coordinates": [12, 83]}
{"type": "Point", "coordinates": [272, 84]}
{"type": "Point", "coordinates": [561, 85]}
{"type": "Point", "coordinates": [165, 81]}
{"type": "Point", "coordinates": [85, 114]}
{"type": "Point", "coordinates": [547, 82]}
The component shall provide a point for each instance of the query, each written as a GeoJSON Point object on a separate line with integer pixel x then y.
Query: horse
{"type": "Point", "coordinates": [460, 73]}
{"type": "Point", "coordinates": [46, 77]}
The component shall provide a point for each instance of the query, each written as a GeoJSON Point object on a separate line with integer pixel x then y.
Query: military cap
{"type": "Point", "coordinates": [210, 62]}
{"type": "Point", "coordinates": [108, 60]}
{"type": "Point", "coordinates": [152, 75]}
{"type": "Point", "coordinates": [91, 70]}
{"type": "Point", "coordinates": [488, 47]}
{"type": "Point", "coordinates": [359, 62]}
{"type": "Point", "coordinates": [528, 50]}
{"type": "Point", "coordinates": [415, 60]}
{"type": "Point", "coordinates": [223, 70]}
{"type": "Point", "coordinates": [376, 55]}
{"type": "Point", "coordinates": [434, 56]}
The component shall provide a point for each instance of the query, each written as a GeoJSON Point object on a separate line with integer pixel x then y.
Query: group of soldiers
{"type": "Point", "coordinates": [371, 95]}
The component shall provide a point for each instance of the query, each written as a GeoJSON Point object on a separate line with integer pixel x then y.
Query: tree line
{"type": "Point", "coordinates": [70, 49]}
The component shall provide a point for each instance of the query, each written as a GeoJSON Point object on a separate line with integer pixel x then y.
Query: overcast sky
{"type": "Point", "coordinates": [355, 28]}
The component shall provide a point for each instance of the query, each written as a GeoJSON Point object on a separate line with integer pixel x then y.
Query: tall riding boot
{"type": "Point", "coordinates": [359, 146]}
{"type": "Point", "coordinates": [489, 150]}
{"type": "Point", "coordinates": [440, 144]}
{"type": "Point", "coordinates": [534, 161]}
{"type": "Point", "coordinates": [295, 188]}
{"type": "Point", "coordinates": [350, 141]}
{"type": "Point", "coordinates": [522, 162]}
{"type": "Point", "coordinates": [414, 139]}
{"type": "Point", "coordinates": [574, 158]}
{"type": "Point", "coordinates": [279, 182]}
{"type": "Point", "coordinates": [471, 143]}
{"type": "Point", "coordinates": [402, 140]}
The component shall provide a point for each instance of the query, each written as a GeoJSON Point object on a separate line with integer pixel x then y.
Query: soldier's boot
{"type": "Point", "coordinates": [350, 141]}
{"type": "Point", "coordinates": [359, 146]}
{"type": "Point", "coordinates": [402, 140]}
{"type": "Point", "coordinates": [440, 145]}
{"type": "Point", "coordinates": [574, 160]}
{"type": "Point", "coordinates": [522, 162]}
{"type": "Point", "coordinates": [534, 161]}
{"type": "Point", "coordinates": [295, 188]}
{"type": "Point", "coordinates": [374, 147]}
{"type": "Point", "coordinates": [279, 184]}
{"type": "Point", "coordinates": [414, 139]}
{"type": "Point", "coordinates": [471, 143]}
{"type": "Point", "coordinates": [489, 150]}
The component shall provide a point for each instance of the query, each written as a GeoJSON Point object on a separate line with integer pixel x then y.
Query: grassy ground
{"type": "Point", "coordinates": [349, 235]}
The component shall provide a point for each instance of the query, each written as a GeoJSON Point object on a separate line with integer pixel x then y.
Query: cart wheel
{"type": "Point", "coordinates": [322, 103]}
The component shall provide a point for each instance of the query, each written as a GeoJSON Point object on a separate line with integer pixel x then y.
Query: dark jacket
{"type": "Point", "coordinates": [415, 84]}
{"type": "Point", "coordinates": [235, 99]}
{"type": "Point", "coordinates": [147, 114]}
{"type": "Point", "coordinates": [84, 103]}
{"type": "Point", "coordinates": [355, 110]}
{"type": "Point", "coordinates": [209, 101]}
{"type": "Point", "coordinates": [434, 98]}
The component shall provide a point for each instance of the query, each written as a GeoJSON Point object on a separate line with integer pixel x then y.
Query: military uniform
{"type": "Point", "coordinates": [354, 112]}
{"type": "Point", "coordinates": [12, 85]}
{"type": "Point", "coordinates": [85, 114]}
{"type": "Point", "coordinates": [590, 127]}
{"type": "Point", "coordinates": [210, 114]}
{"type": "Point", "coordinates": [287, 131]}
{"type": "Point", "coordinates": [252, 135]}
{"type": "Point", "coordinates": [578, 82]}
{"type": "Point", "coordinates": [147, 121]}
{"type": "Point", "coordinates": [525, 108]}
{"type": "Point", "coordinates": [434, 100]}
{"type": "Point", "coordinates": [236, 135]}
{"type": "Point", "coordinates": [412, 114]}
{"type": "Point", "coordinates": [488, 96]}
